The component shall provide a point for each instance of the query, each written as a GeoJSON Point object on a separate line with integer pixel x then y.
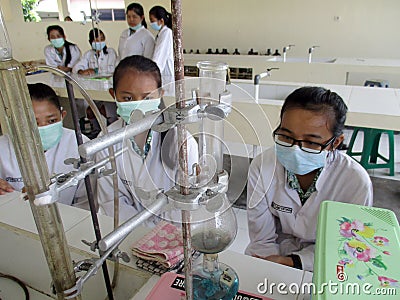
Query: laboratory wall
{"type": "Point", "coordinates": [341, 28]}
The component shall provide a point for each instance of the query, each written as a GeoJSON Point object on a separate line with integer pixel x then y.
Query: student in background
{"type": "Point", "coordinates": [136, 40]}
{"type": "Point", "coordinates": [161, 22]}
{"type": "Point", "coordinates": [61, 54]}
{"type": "Point", "coordinates": [151, 159]}
{"type": "Point", "coordinates": [59, 143]}
{"type": "Point", "coordinates": [100, 59]}
{"type": "Point", "coordinates": [288, 182]}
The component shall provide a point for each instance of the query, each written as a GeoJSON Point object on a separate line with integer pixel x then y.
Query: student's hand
{"type": "Point", "coordinates": [5, 187]}
{"type": "Point", "coordinates": [65, 69]}
{"type": "Point", "coordinates": [87, 72]}
{"type": "Point", "coordinates": [283, 260]}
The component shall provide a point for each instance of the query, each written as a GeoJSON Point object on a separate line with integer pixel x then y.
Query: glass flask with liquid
{"type": "Point", "coordinates": [214, 228]}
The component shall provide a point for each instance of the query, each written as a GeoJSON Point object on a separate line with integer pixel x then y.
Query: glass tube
{"type": "Point", "coordinates": [20, 123]}
{"type": "Point", "coordinates": [212, 84]}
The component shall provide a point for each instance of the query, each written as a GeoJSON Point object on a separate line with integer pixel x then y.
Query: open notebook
{"type": "Point", "coordinates": [357, 253]}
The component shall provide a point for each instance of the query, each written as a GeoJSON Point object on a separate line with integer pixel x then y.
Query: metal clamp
{"type": "Point", "coordinates": [184, 202]}
{"type": "Point", "coordinates": [173, 116]}
{"type": "Point", "coordinates": [91, 266]}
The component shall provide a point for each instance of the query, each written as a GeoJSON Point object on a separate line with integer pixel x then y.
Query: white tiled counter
{"type": "Point", "coordinates": [22, 256]}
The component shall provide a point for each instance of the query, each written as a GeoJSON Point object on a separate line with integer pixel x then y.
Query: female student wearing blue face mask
{"type": "Point", "coordinates": [59, 143]}
{"type": "Point", "coordinates": [100, 59]}
{"type": "Point", "coordinates": [161, 22]}
{"type": "Point", "coordinates": [151, 159]}
{"type": "Point", "coordinates": [287, 183]}
{"type": "Point", "coordinates": [61, 53]}
{"type": "Point", "coordinates": [136, 40]}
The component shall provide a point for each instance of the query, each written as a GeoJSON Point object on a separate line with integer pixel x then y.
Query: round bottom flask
{"type": "Point", "coordinates": [214, 228]}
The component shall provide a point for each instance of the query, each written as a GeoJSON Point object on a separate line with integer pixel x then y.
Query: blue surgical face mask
{"type": "Point", "coordinates": [125, 109]}
{"type": "Point", "coordinates": [298, 161]}
{"type": "Point", "coordinates": [50, 135]}
{"type": "Point", "coordinates": [155, 26]}
{"type": "Point", "coordinates": [97, 46]}
{"type": "Point", "coordinates": [57, 43]}
{"type": "Point", "coordinates": [137, 27]}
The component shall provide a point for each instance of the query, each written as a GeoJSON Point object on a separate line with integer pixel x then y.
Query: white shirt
{"type": "Point", "coordinates": [139, 43]}
{"type": "Point", "coordinates": [278, 222]}
{"type": "Point", "coordinates": [54, 60]}
{"type": "Point", "coordinates": [164, 55]}
{"type": "Point", "coordinates": [105, 62]}
{"type": "Point", "coordinates": [134, 173]}
{"type": "Point", "coordinates": [66, 148]}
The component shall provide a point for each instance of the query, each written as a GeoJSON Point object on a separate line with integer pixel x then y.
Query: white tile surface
{"type": "Point", "coordinates": [10, 197]}
{"type": "Point", "coordinates": [17, 212]}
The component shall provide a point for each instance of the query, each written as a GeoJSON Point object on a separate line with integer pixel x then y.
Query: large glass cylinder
{"type": "Point", "coordinates": [19, 121]}
{"type": "Point", "coordinates": [212, 85]}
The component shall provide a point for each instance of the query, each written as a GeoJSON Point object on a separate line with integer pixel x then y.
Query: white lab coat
{"type": "Point", "coordinates": [139, 43]}
{"type": "Point", "coordinates": [164, 55]}
{"type": "Point", "coordinates": [66, 148]}
{"type": "Point", "coordinates": [54, 60]}
{"type": "Point", "coordinates": [278, 223]}
{"type": "Point", "coordinates": [134, 173]}
{"type": "Point", "coordinates": [106, 63]}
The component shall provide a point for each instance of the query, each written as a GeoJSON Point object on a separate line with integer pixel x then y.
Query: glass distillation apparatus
{"type": "Point", "coordinates": [213, 224]}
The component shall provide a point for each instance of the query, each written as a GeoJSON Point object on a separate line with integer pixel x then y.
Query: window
{"type": "Point", "coordinates": [111, 14]}
{"type": "Point", "coordinates": [110, 10]}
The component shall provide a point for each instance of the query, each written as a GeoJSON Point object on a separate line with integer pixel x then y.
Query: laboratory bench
{"type": "Point", "coordinates": [22, 257]}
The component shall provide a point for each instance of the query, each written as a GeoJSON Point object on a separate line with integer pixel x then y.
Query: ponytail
{"type": "Point", "coordinates": [68, 57]}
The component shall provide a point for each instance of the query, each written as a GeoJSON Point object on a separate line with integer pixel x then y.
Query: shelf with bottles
{"type": "Point", "coordinates": [235, 72]}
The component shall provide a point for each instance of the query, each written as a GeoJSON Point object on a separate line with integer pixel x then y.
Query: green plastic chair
{"type": "Point", "coordinates": [370, 150]}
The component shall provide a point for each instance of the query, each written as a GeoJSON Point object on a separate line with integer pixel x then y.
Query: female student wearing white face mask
{"type": "Point", "coordinates": [151, 159]}
{"type": "Point", "coordinates": [61, 54]}
{"type": "Point", "coordinates": [58, 143]}
{"type": "Point", "coordinates": [287, 183]}
{"type": "Point", "coordinates": [98, 60]}
{"type": "Point", "coordinates": [161, 22]}
{"type": "Point", "coordinates": [136, 40]}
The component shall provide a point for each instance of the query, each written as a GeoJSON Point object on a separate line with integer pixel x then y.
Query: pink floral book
{"type": "Point", "coordinates": [357, 254]}
{"type": "Point", "coordinates": [162, 244]}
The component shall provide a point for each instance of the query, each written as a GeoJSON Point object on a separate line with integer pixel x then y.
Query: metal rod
{"type": "Point", "coordinates": [123, 230]}
{"type": "Point", "coordinates": [176, 11]}
{"type": "Point", "coordinates": [117, 136]}
{"type": "Point", "coordinates": [103, 127]}
{"type": "Point", "coordinates": [89, 191]}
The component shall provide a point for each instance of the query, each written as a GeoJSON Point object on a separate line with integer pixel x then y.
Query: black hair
{"type": "Point", "coordinates": [66, 43]}
{"type": "Point", "coordinates": [161, 13]}
{"type": "Point", "coordinates": [319, 100]}
{"type": "Point", "coordinates": [95, 33]}
{"type": "Point", "coordinates": [42, 92]}
{"type": "Point", "coordinates": [138, 9]}
{"type": "Point", "coordinates": [138, 63]}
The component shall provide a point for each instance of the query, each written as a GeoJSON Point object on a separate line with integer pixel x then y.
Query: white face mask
{"type": "Point", "coordinates": [126, 109]}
